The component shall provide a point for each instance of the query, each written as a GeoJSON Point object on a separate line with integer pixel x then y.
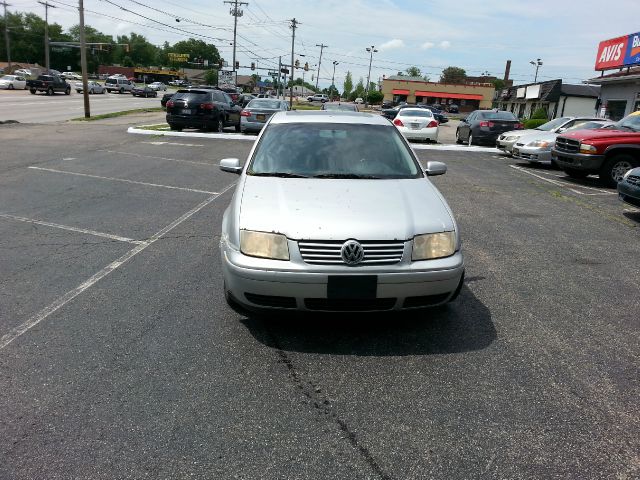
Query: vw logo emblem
{"type": "Point", "coordinates": [352, 252]}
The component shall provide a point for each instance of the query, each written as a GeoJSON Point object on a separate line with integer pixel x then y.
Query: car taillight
{"type": "Point", "coordinates": [206, 106]}
{"type": "Point", "coordinates": [245, 113]}
{"type": "Point", "coordinates": [432, 124]}
{"type": "Point", "coordinates": [170, 104]}
{"type": "Point", "coordinates": [486, 124]}
{"type": "Point", "coordinates": [519, 126]}
{"type": "Point", "coordinates": [398, 123]}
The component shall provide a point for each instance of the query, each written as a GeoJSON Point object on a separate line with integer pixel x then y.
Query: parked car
{"type": "Point", "coordinates": [359, 100]}
{"type": "Point", "coordinates": [507, 140]}
{"type": "Point", "coordinates": [49, 84]}
{"type": "Point", "coordinates": [536, 146]}
{"type": "Point", "coordinates": [437, 113]}
{"type": "Point", "coordinates": [629, 187]}
{"type": "Point", "coordinates": [417, 124]}
{"type": "Point", "coordinates": [392, 113]}
{"type": "Point", "coordinates": [318, 97]}
{"type": "Point", "coordinates": [158, 86]}
{"type": "Point", "coordinates": [609, 152]}
{"type": "Point", "coordinates": [70, 76]}
{"type": "Point", "coordinates": [118, 84]}
{"type": "Point", "coordinates": [335, 213]}
{"type": "Point", "coordinates": [13, 82]}
{"type": "Point", "coordinates": [254, 116]}
{"type": "Point", "coordinates": [345, 107]}
{"type": "Point", "coordinates": [202, 108]}
{"type": "Point", "coordinates": [165, 98]}
{"type": "Point", "coordinates": [24, 72]}
{"type": "Point", "coordinates": [484, 126]}
{"type": "Point", "coordinates": [244, 99]}
{"type": "Point", "coordinates": [144, 91]}
{"type": "Point", "coordinates": [92, 87]}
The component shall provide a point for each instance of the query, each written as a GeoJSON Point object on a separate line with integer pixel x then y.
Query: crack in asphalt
{"type": "Point", "coordinates": [323, 405]}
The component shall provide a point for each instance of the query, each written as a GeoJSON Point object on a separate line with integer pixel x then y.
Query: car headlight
{"type": "Point", "coordinates": [433, 245]}
{"type": "Point", "coordinates": [588, 149]}
{"type": "Point", "coordinates": [539, 144]}
{"type": "Point", "coordinates": [264, 245]}
{"type": "Point", "coordinates": [509, 138]}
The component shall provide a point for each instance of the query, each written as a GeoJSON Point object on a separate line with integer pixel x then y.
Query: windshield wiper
{"type": "Point", "coordinates": [278, 174]}
{"type": "Point", "coordinates": [344, 175]}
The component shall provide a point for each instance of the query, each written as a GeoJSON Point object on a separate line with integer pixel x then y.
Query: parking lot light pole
{"type": "Point", "coordinates": [333, 77]}
{"type": "Point", "coordinates": [536, 64]}
{"type": "Point", "coordinates": [371, 51]}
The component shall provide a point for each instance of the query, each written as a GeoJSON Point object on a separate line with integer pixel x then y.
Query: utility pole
{"type": "Point", "coordinates": [46, 33]}
{"type": "Point", "coordinates": [279, 76]}
{"type": "Point", "coordinates": [333, 80]}
{"type": "Point", "coordinates": [6, 35]}
{"type": "Point", "coordinates": [236, 12]}
{"type": "Point", "coordinates": [83, 62]}
{"type": "Point", "coordinates": [294, 25]}
{"type": "Point", "coordinates": [371, 50]}
{"type": "Point", "coordinates": [322, 47]}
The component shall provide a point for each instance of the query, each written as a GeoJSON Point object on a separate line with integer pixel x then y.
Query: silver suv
{"type": "Point", "coordinates": [118, 84]}
{"type": "Point", "coordinates": [318, 97]}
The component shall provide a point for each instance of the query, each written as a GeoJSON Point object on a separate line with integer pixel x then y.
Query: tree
{"type": "Point", "coordinates": [375, 96]}
{"type": "Point", "coordinates": [498, 84]}
{"type": "Point", "coordinates": [414, 72]}
{"type": "Point", "coordinates": [197, 49]}
{"type": "Point", "coordinates": [453, 75]}
{"type": "Point", "coordinates": [211, 77]}
{"type": "Point", "coordinates": [348, 84]}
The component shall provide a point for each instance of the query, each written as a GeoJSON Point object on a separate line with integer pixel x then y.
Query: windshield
{"type": "Point", "coordinates": [547, 127]}
{"type": "Point", "coordinates": [630, 122]}
{"type": "Point", "coordinates": [586, 126]}
{"type": "Point", "coordinates": [498, 116]}
{"type": "Point", "coordinates": [264, 103]}
{"type": "Point", "coordinates": [8, 77]}
{"type": "Point", "coordinates": [415, 113]}
{"type": "Point", "coordinates": [323, 150]}
{"type": "Point", "coordinates": [111, 80]}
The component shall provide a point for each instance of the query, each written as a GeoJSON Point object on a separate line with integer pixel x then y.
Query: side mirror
{"type": "Point", "coordinates": [231, 165]}
{"type": "Point", "coordinates": [435, 168]}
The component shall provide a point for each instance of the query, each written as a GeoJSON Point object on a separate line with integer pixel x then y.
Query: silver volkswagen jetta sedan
{"type": "Point", "coordinates": [333, 212]}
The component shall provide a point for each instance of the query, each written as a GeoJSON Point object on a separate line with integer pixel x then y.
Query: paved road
{"type": "Point", "coordinates": [20, 105]}
{"type": "Point", "coordinates": [120, 359]}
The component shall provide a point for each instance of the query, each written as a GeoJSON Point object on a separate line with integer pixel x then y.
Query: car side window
{"type": "Point", "coordinates": [471, 117]}
{"type": "Point", "coordinates": [227, 98]}
{"type": "Point", "coordinates": [218, 97]}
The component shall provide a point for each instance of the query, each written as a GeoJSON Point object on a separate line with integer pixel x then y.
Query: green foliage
{"type": "Point", "coordinates": [534, 122]}
{"type": "Point", "coordinates": [211, 77]}
{"type": "Point", "coordinates": [453, 75]}
{"type": "Point", "coordinates": [539, 114]}
{"type": "Point", "coordinates": [375, 96]}
{"type": "Point", "coordinates": [498, 84]}
{"type": "Point", "coordinates": [414, 72]}
{"type": "Point", "coordinates": [348, 84]}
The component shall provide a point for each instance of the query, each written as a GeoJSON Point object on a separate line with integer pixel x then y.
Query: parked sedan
{"type": "Point", "coordinates": [258, 111]}
{"type": "Point", "coordinates": [158, 86]}
{"type": "Point", "coordinates": [144, 91]}
{"type": "Point", "coordinates": [165, 98]}
{"type": "Point", "coordinates": [536, 146]}
{"type": "Point", "coordinates": [417, 124]}
{"type": "Point", "coordinates": [333, 212]}
{"type": "Point", "coordinates": [484, 126]}
{"type": "Point", "coordinates": [345, 107]}
{"type": "Point", "coordinates": [11, 82]}
{"type": "Point", "coordinates": [92, 87]}
{"type": "Point", "coordinates": [202, 108]}
{"type": "Point", "coordinates": [629, 187]}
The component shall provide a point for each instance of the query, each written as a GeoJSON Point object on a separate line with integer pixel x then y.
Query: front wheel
{"type": "Point", "coordinates": [49, 91]}
{"type": "Point", "coordinates": [32, 91]}
{"type": "Point", "coordinates": [458, 139]}
{"type": "Point", "coordinates": [577, 174]}
{"type": "Point", "coordinates": [11, 86]}
{"type": "Point", "coordinates": [121, 91]}
{"type": "Point", "coordinates": [91, 91]}
{"type": "Point", "coordinates": [67, 91]}
{"type": "Point", "coordinates": [614, 169]}
{"type": "Point", "coordinates": [470, 141]}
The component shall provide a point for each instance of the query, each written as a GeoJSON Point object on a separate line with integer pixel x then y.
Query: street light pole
{"type": "Point", "coordinates": [47, 6]}
{"type": "Point", "coordinates": [294, 25]}
{"type": "Point", "coordinates": [371, 51]}
{"type": "Point", "coordinates": [333, 77]}
{"type": "Point", "coordinates": [537, 64]}
{"type": "Point", "coordinates": [236, 12]}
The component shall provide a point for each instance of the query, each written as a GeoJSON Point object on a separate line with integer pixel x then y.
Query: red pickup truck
{"type": "Point", "coordinates": [609, 152]}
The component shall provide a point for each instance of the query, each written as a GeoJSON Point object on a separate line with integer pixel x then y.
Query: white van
{"type": "Point", "coordinates": [118, 84]}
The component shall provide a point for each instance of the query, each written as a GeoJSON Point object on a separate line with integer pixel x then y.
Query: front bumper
{"type": "Point", "coordinates": [273, 284]}
{"type": "Point", "coordinates": [578, 161]}
{"type": "Point", "coordinates": [248, 126]}
{"type": "Point", "coordinates": [629, 193]}
{"type": "Point", "coordinates": [531, 154]}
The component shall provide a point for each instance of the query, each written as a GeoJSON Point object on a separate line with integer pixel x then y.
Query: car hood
{"type": "Point", "coordinates": [602, 133]}
{"type": "Point", "coordinates": [537, 135]}
{"type": "Point", "coordinates": [337, 209]}
{"type": "Point", "coordinates": [519, 133]}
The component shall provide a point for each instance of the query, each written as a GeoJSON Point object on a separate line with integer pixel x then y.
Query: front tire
{"type": "Point", "coordinates": [49, 91]}
{"type": "Point", "coordinates": [67, 91]}
{"type": "Point", "coordinates": [121, 91]}
{"type": "Point", "coordinates": [10, 86]}
{"type": "Point", "coordinates": [614, 169]}
{"type": "Point", "coordinates": [32, 91]}
{"type": "Point", "coordinates": [458, 139]}
{"type": "Point", "coordinates": [470, 140]}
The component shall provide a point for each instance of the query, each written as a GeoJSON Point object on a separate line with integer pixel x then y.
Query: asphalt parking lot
{"type": "Point", "coordinates": [119, 357]}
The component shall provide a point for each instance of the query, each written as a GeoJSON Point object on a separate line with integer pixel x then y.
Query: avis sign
{"type": "Point", "coordinates": [619, 52]}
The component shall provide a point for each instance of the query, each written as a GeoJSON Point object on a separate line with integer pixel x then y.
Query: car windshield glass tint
{"type": "Point", "coordinates": [333, 151]}
{"type": "Point", "coordinates": [111, 80]}
{"type": "Point", "coordinates": [273, 104]}
{"type": "Point", "coordinates": [498, 116]}
{"type": "Point", "coordinates": [552, 124]}
{"type": "Point", "coordinates": [416, 113]}
{"type": "Point", "coordinates": [632, 122]}
{"type": "Point", "coordinates": [189, 95]}
{"type": "Point", "coordinates": [585, 126]}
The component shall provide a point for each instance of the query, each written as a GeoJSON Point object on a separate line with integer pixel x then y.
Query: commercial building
{"type": "Point", "coordinates": [141, 74]}
{"type": "Point", "coordinates": [468, 97]}
{"type": "Point", "coordinates": [555, 97]}
{"type": "Point", "coordinates": [619, 91]}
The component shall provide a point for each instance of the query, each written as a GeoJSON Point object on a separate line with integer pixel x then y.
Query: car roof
{"type": "Point", "coordinates": [328, 116]}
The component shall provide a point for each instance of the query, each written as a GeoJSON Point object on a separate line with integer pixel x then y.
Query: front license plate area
{"type": "Point", "coordinates": [352, 286]}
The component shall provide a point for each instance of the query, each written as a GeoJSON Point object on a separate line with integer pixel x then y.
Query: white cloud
{"type": "Point", "coordinates": [445, 44]}
{"type": "Point", "coordinates": [427, 45]}
{"type": "Point", "coordinates": [391, 44]}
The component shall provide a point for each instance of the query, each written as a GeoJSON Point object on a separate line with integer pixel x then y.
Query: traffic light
{"type": "Point", "coordinates": [237, 64]}
{"type": "Point", "coordinates": [253, 65]}
{"type": "Point", "coordinates": [297, 64]}
{"type": "Point", "coordinates": [306, 66]}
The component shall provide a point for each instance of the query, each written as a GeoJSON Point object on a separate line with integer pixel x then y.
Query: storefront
{"type": "Point", "coordinates": [467, 97]}
{"type": "Point", "coordinates": [619, 91]}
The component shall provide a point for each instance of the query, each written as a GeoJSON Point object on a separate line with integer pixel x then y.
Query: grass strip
{"type": "Point", "coordinates": [117, 114]}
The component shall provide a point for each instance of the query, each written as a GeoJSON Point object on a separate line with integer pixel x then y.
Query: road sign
{"type": "Point", "coordinates": [226, 78]}
{"type": "Point", "coordinates": [272, 74]}
{"type": "Point", "coordinates": [285, 71]}
{"type": "Point", "coordinates": [178, 57]}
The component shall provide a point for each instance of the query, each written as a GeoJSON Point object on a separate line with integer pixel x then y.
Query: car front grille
{"type": "Point", "coordinates": [567, 145]}
{"type": "Point", "coordinates": [634, 180]}
{"type": "Point", "coordinates": [327, 252]}
{"type": "Point", "coordinates": [349, 304]}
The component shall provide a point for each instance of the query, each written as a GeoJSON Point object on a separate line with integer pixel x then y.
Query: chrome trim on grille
{"type": "Point", "coordinates": [567, 145]}
{"type": "Point", "coordinates": [328, 252]}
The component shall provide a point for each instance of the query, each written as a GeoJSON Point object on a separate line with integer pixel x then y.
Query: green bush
{"type": "Point", "coordinates": [539, 114]}
{"type": "Point", "coordinates": [534, 122]}
{"type": "Point", "coordinates": [375, 97]}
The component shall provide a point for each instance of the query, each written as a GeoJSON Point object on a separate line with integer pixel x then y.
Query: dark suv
{"type": "Point", "coordinates": [202, 108]}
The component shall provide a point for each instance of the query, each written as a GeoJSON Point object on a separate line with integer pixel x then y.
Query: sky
{"type": "Point", "coordinates": [477, 35]}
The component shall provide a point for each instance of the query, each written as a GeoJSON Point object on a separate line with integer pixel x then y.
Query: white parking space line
{"type": "Point", "coordinates": [174, 143]}
{"type": "Point", "coordinates": [179, 160]}
{"type": "Point", "coordinates": [566, 185]}
{"type": "Point", "coordinates": [124, 180]}
{"type": "Point", "coordinates": [16, 332]}
{"type": "Point", "coordinates": [168, 133]}
{"type": "Point", "coordinates": [71, 229]}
